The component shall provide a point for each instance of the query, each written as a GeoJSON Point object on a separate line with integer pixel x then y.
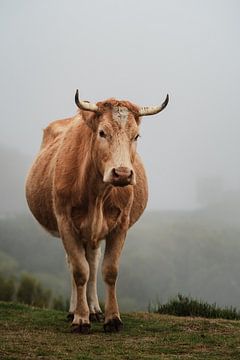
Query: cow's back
{"type": "Point", "coordinates": [39, 181]}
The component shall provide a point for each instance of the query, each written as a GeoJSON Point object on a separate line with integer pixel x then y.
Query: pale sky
{"type": "Point", "coordinates": [134, 50]}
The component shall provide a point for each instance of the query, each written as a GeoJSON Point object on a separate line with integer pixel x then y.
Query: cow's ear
{"type": "Point", "coordinates": [90, 118]}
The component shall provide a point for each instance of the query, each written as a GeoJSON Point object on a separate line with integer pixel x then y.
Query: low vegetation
{"type": "Point", "coordinates": [28, 290]}
{"type": "Point", "coordinates": [32, 333]}
{"type": "Point", "coordinates": [187, 306]}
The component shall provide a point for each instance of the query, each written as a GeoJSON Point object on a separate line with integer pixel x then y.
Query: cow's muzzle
{"type": "Point", "coordinates": [121, 176]}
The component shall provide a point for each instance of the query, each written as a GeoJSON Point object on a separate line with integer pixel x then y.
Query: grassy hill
{"type": "Point", "coordinates": [31, 333]}
{"type": "Point", "coordinates": [165, 253]}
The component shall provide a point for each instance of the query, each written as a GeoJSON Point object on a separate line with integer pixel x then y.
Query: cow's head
{"type": "Point", "coordinates": [115, 126]}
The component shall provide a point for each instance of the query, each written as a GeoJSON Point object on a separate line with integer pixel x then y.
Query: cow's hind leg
{"type": "Point", "coordinates": [93, 257]}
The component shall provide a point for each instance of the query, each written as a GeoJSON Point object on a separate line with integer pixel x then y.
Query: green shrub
{"type": "Point", "coordinates": [41, 297]}
{"type": "Point", "coordinates": [7, 289]}
{"type": "Point", "coordinates": [31, 292]}
{"type": "Point", "coordinates": [59, 304]}
{"type": "Point", "coordinates": [186, 306]}
{"type": "Point", "coordinates": [25, 292]}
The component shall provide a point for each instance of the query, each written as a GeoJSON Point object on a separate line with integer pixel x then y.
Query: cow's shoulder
{"type": "Point", "coordinates": [54, 130]}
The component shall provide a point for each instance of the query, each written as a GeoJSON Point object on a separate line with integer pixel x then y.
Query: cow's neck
{"type": "Point", "coordinates": [93, 193]}
{"type": "Point", "coordinates": [98, 192]}
{"type": "Point", "coordinates": [95, 213]}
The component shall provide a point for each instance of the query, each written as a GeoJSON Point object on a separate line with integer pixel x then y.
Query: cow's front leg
{"type": "Point", "coordinates": [114, 244]}
{"type": "Point", "coordinates": [93, 257]}
{"type": "Point", "coordinates": [73, 298]}
{"type": "Point", "coordinates": [80, 270]}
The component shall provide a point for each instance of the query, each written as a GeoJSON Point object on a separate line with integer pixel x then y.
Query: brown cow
{"type": "Point", "coordinates": [88, 184]}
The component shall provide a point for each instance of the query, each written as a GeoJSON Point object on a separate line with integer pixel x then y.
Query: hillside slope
{"type": "Point", "coordinates": [165, 253]}
{"type": "Point", "coordinates": [31, 333]}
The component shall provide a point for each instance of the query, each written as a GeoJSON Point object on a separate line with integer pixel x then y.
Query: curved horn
{"type": "Point", "coordinates": [151, 110]}
{"type": "Point", "coordinates": [84, 105]}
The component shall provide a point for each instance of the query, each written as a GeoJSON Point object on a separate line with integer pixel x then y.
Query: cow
{"type": "Point", "coordinates": [88, 184]}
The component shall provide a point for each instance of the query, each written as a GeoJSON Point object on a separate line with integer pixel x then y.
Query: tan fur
{"type": "Point", "coordinates": [67, 195]}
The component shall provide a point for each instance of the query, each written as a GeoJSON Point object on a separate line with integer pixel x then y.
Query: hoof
{"type": "Point", "coordinates": [113, 325]}
{"type": "Point", "coordinates": [81, 329]}
{"type": "Point", "coordinates": [96, 317]}
{"type": "Point", "coordinates": [70, 317]}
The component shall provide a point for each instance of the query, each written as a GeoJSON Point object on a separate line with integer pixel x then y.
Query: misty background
{"type": "Point", "coordinates": [189, 238]}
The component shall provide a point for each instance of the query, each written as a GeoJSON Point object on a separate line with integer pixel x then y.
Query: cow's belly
{"type": "Point", "coordinates": [39, 195]}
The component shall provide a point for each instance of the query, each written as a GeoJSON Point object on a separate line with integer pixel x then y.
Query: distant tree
{"type": "Point", "coordinates": [31, 292]}
{"type": "Point", "coordinates": [8, 264]}
{"type": "Point", "coordinates": [25, 293]}
{"type": "Point", "coordinates": [7, 289]}
{"type": "Point", "coordinates": [41, 296]}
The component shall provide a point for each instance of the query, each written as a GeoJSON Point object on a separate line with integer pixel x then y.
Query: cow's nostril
{"type": "Point", "coordinates": [122, 176]}
{"type": "Point", "coordinates": [115, 174]}
{"type": "Point", "coordinates": [122, 172]}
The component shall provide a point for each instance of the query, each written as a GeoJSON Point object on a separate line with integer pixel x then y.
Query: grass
{"type": "Point", "coordinates": [32, 333]}
{"type": "Point", "coordinates": [187, 306]}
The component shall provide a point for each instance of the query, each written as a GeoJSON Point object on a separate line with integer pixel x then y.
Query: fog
{"type": "Point", "coordinates": [139, 51]}
{"type": "Point", "coordinates": [135, 50]}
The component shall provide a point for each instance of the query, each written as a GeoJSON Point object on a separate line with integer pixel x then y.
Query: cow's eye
{"type": "Point", "coordinates": [102, 134]}
{"type": "Point", "coordinates": [136, 137]}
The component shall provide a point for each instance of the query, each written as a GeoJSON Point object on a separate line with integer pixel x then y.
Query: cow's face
{"type": "Point", "coordinates": [115, 146]}
{"type": "Point", "coordinates": [115, 126]}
